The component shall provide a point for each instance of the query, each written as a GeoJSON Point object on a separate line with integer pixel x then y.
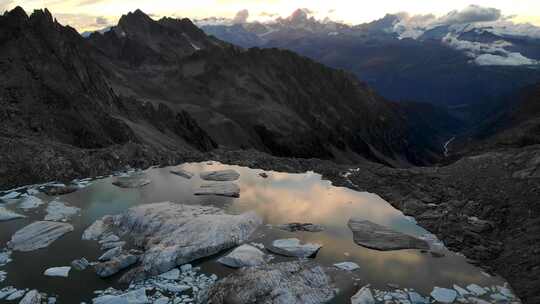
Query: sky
{"type": "Point", "coordinates": [96, 14]}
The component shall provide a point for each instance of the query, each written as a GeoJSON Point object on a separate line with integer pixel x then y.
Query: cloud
{"type": "Point", "coordinates": [471, 14]}
{"type": "Point", "coordinates": [5, 5]}
{"type": "Point", "coordinates": [101, 21]}
{"type": "Point", "coordinates": [241, 17]}
{"type": "Point", "coordinates": [510, 59]}
{"type": "Point", "coordinates": [268, 14]}
{"type": "Point", "coordinates": [488, 53]}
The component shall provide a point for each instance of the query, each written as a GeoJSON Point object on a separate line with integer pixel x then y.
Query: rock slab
{"type": "Point", "coordinates": [228, 175]}
{"type": "Point", "coordinates": [183, 173]}
{"type": "Point", "coordinates": [38, 235]}
{"type": "Point", "coordinates": [374, 236]}
{"type": "Point", "coordinates": [220, 189]}
{"type": "Point", "coordinates": [298, 282]}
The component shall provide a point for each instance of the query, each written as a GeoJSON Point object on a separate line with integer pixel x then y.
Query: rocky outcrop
{"type": "Point", "coordinates": [243, 256]}
{"type": "Point", "coordinates": [174, 234]}
{"type": "Point", "coordinates": [228, 175]}
{"type": "Point", "coordinates": [38, 235]}
{"type": "Point", "coordinates": [371, 235]}
{"type": "Point", "coordinates": [227, 189]}
{"type": "Point", "coordinates": [293, 248]}
{"type": "Point", "coordinates": [297, 282]}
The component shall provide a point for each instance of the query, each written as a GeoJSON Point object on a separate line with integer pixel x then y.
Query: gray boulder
{"type": "Point", "coordinates": [115, 265]}
{"type": "Point", "coordinates": [173, 234]}
{"type": "Point", "coordinates": [374, 236]}
{"type": "Point", "coordinates": [298, 282]}
{"type": "Point", "coordinates": [38, 235]}
{"type": "Point", "coordinates": [111, 253]}
{"type": "Point", "coordinates": [228, 175]}
{"type": "Point", "coordinates": [243, 256]}
{"type": "Point", "coordinates": [80, 264]}
{"type": "Point", "coordinates": [219, 189]}
{"type": "Point", "coordinates": [293, 248]}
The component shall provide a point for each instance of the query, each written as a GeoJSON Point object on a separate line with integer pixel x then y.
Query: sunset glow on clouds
{"type": "Point", "coordinates": [94, 14]}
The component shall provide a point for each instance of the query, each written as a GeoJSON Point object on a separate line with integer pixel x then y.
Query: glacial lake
{"type": "Point", "coordinates": [280, 198]}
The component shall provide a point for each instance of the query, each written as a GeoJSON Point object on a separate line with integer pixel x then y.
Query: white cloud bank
{"type": "Point", "coordinates": [477, 18]}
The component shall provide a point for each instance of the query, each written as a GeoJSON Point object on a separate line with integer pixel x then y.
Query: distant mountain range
{"type": "Point", "coordinates": [147, 92]}
{"type": "Point", "coordinates": [468, 60]}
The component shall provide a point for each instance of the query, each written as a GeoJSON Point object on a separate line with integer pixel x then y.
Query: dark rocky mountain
{"type": "Point", "coordinates": [60, 115]}
{"type": "Point", "coordinates": [148, 92]}
{"type": "Point", "coordinates": [435, 67]}
{"type": "Point", "coordinates": [516, 125]}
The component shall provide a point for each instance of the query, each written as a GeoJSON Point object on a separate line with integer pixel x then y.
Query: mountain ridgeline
{"type": "Point", "coordinates": [148, 92]}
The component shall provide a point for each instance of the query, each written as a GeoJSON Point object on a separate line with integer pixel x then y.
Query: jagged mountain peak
{"type": "Point", "coordinates": [18, 12]}
{"type": "Point", "coordinates": [136, 17]}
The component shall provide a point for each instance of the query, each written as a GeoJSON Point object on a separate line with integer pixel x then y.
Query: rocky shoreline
{"type": "Point", "coordinates": [485, 206]}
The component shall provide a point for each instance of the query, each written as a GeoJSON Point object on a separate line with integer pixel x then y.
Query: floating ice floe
{"type": "Point", "coordinates": [348, 266]}
{"type": "Point", "coordinates": [444, 295]}
{"type": "Point", "coordinates": [5, 257]}
{"type": "Point", "coordinates": [243, 256]}
{"type": "Point", "coordinates": [38, 235]}
{"type": "Point", "coordinates": [3, 276]}
{"type": "Point", "coordinates": [17, 294]}
{"type": "Point", "coordinates": [363, 296]}
{"type": "Point", "coordinates": [7, 215]}
{"type": "Point", "coordinates": [30, 202]}
{"type": "Point", "coordinates": [58, 272]}
{"type": "Point", "coordinates": [293, 248]}
{"type": "Point", "coordinates": [476, 290]}
{"type": "Point", "coordinates": [60, 212]}
{"type": "Point", "coordinates": [10, 195]}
